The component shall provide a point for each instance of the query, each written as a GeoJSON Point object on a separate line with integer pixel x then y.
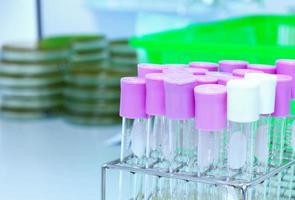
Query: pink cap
{"type": "Point", "coordinates": [206, 65]}
{"type": "Point", "coordinates": [155, 95]}
{"type": "Point", "coordinates": [218, 74]}
{"type": "Point", "coordinates": [146, 68]}
{"type": "Point", "coordinates": [201, 80]}
{"type": "Point", "coordinates": [223, 80]}
{"type": "Point", "coordinates": [211, 96]}
{"type": "Point", "coordinates": [175, 69]}
{"type": "Point", "coordinates": [269, 69]}
{"type": "Point", "coordinates": [132, 100]}
{"type": "Point", "coordinates": [197, 71]}
{"type": "Point", "coordinates": [230, 65]}
{"type": "Point", "coordinates": [179, 96]}
{"type": "Point", "coordinates": [175, 65]}
{"type": "Point", "coordinates": [287, 67]}
{"type": "Point", "coordinates": [283, 95]}
{"type": "Point", "coordinates": [242, 72]}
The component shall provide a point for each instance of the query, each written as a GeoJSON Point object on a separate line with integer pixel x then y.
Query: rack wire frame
{"type": "Point", "coordinates": [243, 186]}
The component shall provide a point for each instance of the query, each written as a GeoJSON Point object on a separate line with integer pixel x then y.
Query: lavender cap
{"type": "Point", "coordinates": [132, 100]}
{"type": "Point", "coordinates": [230, 65]}
{"type": "Point", "coordinates": [211, 96]}
{"type": "Point", "coordinates": [205, 65]}
{"type": "Point", "coordinates": [146, 68]}
{"type": "Point", "coordinates": [179, 96]}
{"type": "Point", "coordinates": [287, 67]}
{"type": "Point", "coordinates": [201, 80]}
{"type": "Point", "coordinates": [242, 72]}
{"type": "Point", "coordinates": [155, 95]}
{"type": "Point", "coordinates": [223, 80]}
{"type": "Point", "coordinates": [283, 95]}
{"type": "Point", "coordinates": [269, 69]}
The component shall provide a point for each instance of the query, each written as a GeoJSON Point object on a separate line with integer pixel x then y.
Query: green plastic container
{"type": "Point", "coordinates": [292, 111]}
{"type": "Point", "coordinates": [257, 39]}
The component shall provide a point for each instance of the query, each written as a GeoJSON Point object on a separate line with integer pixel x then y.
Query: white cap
{"type": "Point", "coordinates": [242, 100]}
{"type": "Point", "coordinates": [267, 83]}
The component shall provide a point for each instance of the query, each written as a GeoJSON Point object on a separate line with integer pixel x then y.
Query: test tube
{"type": "Point", "coordinates": [230, 65]}
{"type": "Point", "coordinates": [146, 68]}
{"type": "Point", "coordinates": [204, 65]}
{"type": "Point", "coordinates": [155, 108]}
{"type": "Point", "coordinates": [269, 69]}
{"type": "Point", "coordinates": [134, 122]}
{"type": "Point", "coordinates": [211, 128]}
{"type": "Point", "coordinates": [267, 84]}
{"type": "Point", "coordinates": [287, 67]}
{"type": "Point", "coordinates": [279, 128]}
{"type": "Point", "coordinates": [134, 127]}
{"type": "Point", "coordinates": [157, 129]}
{"type": "Point", "coordinates": [280, 117]}
{"type": "Point", "coordinates": [243, 114]}
{"type": "Point", "coordinates": [179, 107]}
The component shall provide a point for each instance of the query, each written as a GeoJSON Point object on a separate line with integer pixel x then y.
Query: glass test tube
{"type": "Point", "coordinates": [134, 127]}
{"type": "Point", "coordinates": [179, 107]}
{"type": "Point", "coordinates": [157, 130]}
{"type": "Point", "coordinates": [267, 84]}
{"type": "Point", "coordinates": [279, 129]}
{"type": "Point", "coordinates": [211, 128]}
{"type": "Point", "coordinates": [243, 114]}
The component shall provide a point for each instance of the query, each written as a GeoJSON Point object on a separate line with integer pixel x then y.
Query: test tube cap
{"type": "Point", "coordinates": [242, 72]}
{"type": "Point", "coordinates": [205, 65]}
{"type": "Point", "coordinates": [223, 80]}
{"type": "Point", "coordinates": [205, 79]}
{"type": "Point", "coordinates": [210, 108]}
{"type": "Point", "coordinates": [146, 68]}
{"type": "Point", "coordinates": [242, 100]}
{"type": "Point", "coordinates": [179, 96]}
{"type": "Point", "coordinates": [287, 67]}
{"type": "Point", "coordinates": [132, 99]}
{"type": "Point", "coordinates": [155, 94]}
{"type": "Point", "coordinates": [267, 84]}
{"type": "Point", "coordinates": [269, 69]}
{"type": "Point", "coordinates": [283, 95]}
{"type": "Point", "coordinates": [230, 65]}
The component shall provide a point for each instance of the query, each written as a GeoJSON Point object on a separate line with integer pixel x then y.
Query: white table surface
{"type": "Point", "coordinates": [52, 160]}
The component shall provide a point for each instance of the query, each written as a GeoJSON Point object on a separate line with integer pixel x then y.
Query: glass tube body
{"type": "Point", "coordinates": [177, 151]}
{"type": "Point", "coordinates": [156, 134]}
{"type": "Point", "coordinates": [156, 138]}
{"type": "Point", "coordinates": [278, 141]}
{"type": "Point", "coordinates": [211, 152]}
{"type": "Point", "coordinates": [133, 152]}
{"type": "Point", "coordinates": [241, 148]}
{"type": "Point", "coordinates": [262, 146]}
{"type": "Point", "coordinates": [133, 141]}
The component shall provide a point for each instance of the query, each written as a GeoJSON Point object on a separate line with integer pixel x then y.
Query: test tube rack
{"type": "Point", "coordinates": [280, 178]}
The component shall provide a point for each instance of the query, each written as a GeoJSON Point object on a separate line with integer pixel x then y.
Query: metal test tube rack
{"type": "Point", "coordinates": [242, 186]}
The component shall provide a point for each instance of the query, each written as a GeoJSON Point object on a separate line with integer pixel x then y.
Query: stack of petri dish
{"type": "Point", "coordinates": [123, 56]}
{"type": "Point", "coordinates": [31, 79]}
{"type": "Point", "coordinates": [92, 89]}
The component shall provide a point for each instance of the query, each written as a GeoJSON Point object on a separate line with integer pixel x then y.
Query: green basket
{"type": "Point", "coordinates": [257, 39]}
